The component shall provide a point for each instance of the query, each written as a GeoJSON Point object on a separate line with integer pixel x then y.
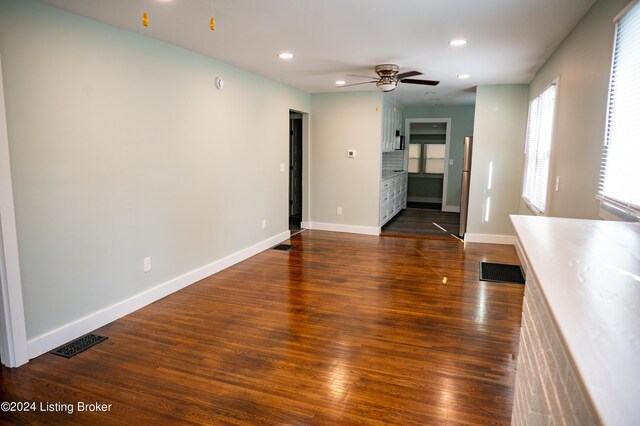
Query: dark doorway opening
{"type": "Point", "coordinates": [295, 171]}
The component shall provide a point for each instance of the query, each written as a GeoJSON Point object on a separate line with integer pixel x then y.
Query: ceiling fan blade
{"type": "Point", "coordinates": [408, 74]}
{"type": "Point", "coordinates": [357, 84]}
{"type": "Point", "coordinates": [423, 82]}
{"type": "Point", "coordinates": [363, 76]}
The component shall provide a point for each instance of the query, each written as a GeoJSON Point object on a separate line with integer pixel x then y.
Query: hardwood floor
{"type": "Point", "coordinates": [342, 329]}
{"type": "Point", "coordinates": [420, 222]}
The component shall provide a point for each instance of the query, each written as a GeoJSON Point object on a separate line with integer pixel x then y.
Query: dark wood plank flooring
{"type": "Point", "coordinates": [420, 222]}
{"type": "Point", "coordinates": [343, 329]}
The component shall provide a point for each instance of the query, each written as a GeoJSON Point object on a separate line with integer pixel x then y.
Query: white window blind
{"type": "Point", "coordinates": [620, 169]}
{"type": "Point", "coordinates": [537, 152]}
{"type": "Point", "coordinates": [434, 158]}
{"type": "Point", "coordinates": [415, 153]}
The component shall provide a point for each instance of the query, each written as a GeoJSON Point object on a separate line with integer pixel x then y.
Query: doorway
{"type": "Point", "coordinates": [428, 141]}
{"type": "Point", "coordinates": [427, 161]}
{"type": "Point", "coordinates": [295, 171]}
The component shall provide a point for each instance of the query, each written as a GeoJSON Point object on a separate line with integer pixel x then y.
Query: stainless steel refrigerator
{"type": "Point", "coordinates": [466, 178]}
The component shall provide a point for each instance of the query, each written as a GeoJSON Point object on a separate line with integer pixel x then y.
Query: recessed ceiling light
{"type": "Point", "coordinates": [463, 76]}
{"type": "Point", "coordinates": [340, 83]}
{"type": "Point", "coordinates": [285, 55]}
{"type": "Point", "coordinates": [458, 42]}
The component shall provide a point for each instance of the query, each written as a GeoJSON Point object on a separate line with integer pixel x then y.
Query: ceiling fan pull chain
{"type": "Point", "coordinates": [212, 22]}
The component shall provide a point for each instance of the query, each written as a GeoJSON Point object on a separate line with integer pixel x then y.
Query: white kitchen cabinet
{"type": "Point", "coordinates": [393, 196]}
{"type": "Point", "coordinates": [391, 121]}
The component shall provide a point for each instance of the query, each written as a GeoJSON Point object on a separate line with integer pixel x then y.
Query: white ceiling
{"type": "Point", "coordinates": [508, 40]}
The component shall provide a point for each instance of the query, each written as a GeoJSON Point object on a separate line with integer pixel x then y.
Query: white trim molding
{"type": "Point", "coordinates": [336, 227]}
{"type": "Point", "coordinates": [51, 340]}
{"type": "Point", "coordinates": [13, 335]}
{"type": "Point", "coordinates": [453, 209]}
{"type": "Point", "coordinates": [445, 177]}
{"type": "Point", "coordinates": [425, 200]}
{"type": "Point", "coordinates": [524, 261]}
{"type": "Point", "coordinates": [489, 239]}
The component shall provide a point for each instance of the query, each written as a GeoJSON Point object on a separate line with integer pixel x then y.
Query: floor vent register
{"type": "Point", "coordinates": [499, 272]}
{"type": "Point", "coordinates": [78, 345]}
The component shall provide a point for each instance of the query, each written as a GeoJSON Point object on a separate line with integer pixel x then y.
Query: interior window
{"type": "Point", "coordinates": [434, 160]}
{"type": "Point", "coordinates": [415, 153]}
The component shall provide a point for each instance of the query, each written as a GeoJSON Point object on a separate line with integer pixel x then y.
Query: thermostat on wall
{"type": "Point", "coordinates": [219, 83]}
{"type": "Point", "coordinates": [351, 153]}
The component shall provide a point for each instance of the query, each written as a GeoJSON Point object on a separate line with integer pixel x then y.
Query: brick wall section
{"type": "Point", "coordinates": [548, 391]}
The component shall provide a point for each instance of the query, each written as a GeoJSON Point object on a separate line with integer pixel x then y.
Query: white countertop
{"type": "Point", "coordinates": [589, 273]}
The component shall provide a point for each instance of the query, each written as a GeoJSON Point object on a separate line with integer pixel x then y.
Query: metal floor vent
{"type": "Point", "coordinates": [501, 273]}
{"type": "Point", "coordinates": [283, 247]}
{"type": "Point", "coordinates": [78, 345]}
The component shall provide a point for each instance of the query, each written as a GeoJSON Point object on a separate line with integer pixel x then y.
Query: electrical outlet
{"type": "Point", "coordinates": [264, 223]}
{"type": "Point", "coordinates": [282, 168]}
{"type": "Point", "coordinates": [147, 264]}
{"type": "Point", "coordinates": [339, 210]}
{"type": "Point", "coordinates": [557, 183]}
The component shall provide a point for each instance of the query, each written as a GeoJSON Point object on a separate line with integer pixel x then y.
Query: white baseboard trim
{"type": "Point", "coordinates": [52, 339]}
{"type": "Point", "coordinates": [425, 200]}
{"type": "Point", "coordinates": [489, 239]}
{"type": "Point", "coordinates": [524, 261]}
{"type": "Point", "coordinates": [336, 227]}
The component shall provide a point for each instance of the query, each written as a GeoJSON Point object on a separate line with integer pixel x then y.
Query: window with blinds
{"type": "Point", "coordinates": [537, 152]}
{"type": "Point", "coordinates": [619, 189]}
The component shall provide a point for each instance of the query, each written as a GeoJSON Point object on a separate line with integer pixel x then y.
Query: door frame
{"type": "Point", "coordinates": [445, 180]}
{"type": "Point", "coordinates": [306, 164]}
{"type": "Point", "coordinates": [298, 116]}
{"type": "Point", "coordinates": [13, 336]}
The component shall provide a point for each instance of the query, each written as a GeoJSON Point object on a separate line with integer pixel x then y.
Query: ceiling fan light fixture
{"type": "Point", "coordinates": [458, 42]}
{"type": "Point", "coordinates": [340, 82]}
{"type": "Point", "coordinates": [386, 86]}
{"type": "Point", "coordinates": [464, 76]}
{"type": "Point", "coordinates": [285, 55]}
{"type": "Point", "coordinates": [386, 83]}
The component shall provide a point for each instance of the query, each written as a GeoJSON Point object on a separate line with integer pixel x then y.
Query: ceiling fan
{"type": "Point", "coordinates": [388, 78]}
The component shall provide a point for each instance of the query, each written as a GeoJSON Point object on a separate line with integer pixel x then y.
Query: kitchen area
{"type": "Point", "coordinates": [421, 175]}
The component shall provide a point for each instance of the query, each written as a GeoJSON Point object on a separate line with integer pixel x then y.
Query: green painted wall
{"type": "Point", "coordinates": [582, 64]}
{"type": "Point", "coordinates": [121, 148]}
